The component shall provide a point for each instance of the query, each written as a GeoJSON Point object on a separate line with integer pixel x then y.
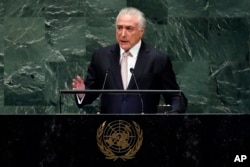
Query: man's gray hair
{"type": "Point", "coordinates": [134, 11]}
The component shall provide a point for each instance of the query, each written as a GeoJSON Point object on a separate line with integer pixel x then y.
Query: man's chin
{"type": "Point", "coordinates": [125, 47]}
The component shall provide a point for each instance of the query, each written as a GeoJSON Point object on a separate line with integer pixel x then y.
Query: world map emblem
{"type": "Point", "coordinates": [119, 139]}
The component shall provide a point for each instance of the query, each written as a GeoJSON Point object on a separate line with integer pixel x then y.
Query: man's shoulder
{"type": "Point", "coordinates": [152, 49]}
{"type": "Point", "coordinates": [107, 48]}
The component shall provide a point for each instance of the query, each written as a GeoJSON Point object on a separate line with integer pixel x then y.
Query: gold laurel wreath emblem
{"type": "Point", "coordinates": [110, 154]}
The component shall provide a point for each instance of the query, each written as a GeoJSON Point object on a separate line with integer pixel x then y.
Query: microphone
{"type": "Point", "coordinates": [137, 87]}
{"type": "Point", "coordinates": [105, 78]}
{"type": "Point", "coordinates": [103, 85]}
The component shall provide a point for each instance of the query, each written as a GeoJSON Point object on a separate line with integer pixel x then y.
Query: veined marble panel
{"type": "Point", "coordinates": [44, 44]}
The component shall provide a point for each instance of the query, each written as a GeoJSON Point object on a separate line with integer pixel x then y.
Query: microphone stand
{"type": "Point", "coordinates": [137, 87]}
{"type": "Point", "coordinates": [103, 85]}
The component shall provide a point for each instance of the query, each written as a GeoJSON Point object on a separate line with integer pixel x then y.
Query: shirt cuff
{"type": "Point", "coordinates": [79, 100]}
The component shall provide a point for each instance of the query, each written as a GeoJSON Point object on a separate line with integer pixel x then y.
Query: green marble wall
{"type": "Point", "coordinates": [45, 43]}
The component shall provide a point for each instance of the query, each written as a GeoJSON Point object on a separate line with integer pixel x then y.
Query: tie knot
{"type": "Point", "coordinates": [126, 53]}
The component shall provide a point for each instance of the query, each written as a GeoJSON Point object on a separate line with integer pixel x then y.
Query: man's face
{"type": "Point", "coordinates": [128, 31]}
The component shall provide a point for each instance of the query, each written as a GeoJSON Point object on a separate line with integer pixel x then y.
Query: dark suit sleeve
{"type": "Point", "coordinates": [178, 101]}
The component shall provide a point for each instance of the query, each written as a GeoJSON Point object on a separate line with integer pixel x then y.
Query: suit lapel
{"type": "Point", "coordinates": [115, 66]}
{"type": "Point", "coordinates": [141, 62]}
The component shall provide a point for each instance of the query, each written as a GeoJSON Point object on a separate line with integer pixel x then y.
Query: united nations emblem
{"type": "Point", "coordinates": [119, 139]}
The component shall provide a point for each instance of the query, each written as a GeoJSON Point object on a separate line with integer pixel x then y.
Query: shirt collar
{"type": "Point", "coordinates": [134, 50]}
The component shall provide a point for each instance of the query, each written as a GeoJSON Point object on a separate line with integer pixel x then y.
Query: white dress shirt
{"type": "Point", "coordinates": [131, 58]}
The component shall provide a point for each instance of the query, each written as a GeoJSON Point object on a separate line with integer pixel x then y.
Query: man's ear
{"type": "Point", "coordinates": [142, 32]}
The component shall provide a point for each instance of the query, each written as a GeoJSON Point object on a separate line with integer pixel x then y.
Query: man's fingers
{"type": "Point", "coordinates": [79, 79]}
{"type": "Point", "coordinates": [78, 83]}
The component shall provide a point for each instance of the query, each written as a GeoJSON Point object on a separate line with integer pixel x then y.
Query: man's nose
{"type": "Point", "coordinates": [123, 32]}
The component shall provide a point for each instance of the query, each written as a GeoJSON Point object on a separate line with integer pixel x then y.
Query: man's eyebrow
{"type": "Point", "coordinates": [124, 25]}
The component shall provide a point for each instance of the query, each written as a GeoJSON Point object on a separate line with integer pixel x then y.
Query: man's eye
{"type": "Point", "coordinates": [130, 28]}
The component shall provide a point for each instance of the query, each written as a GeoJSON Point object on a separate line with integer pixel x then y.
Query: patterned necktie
{"type": "Point", "coordinates": [124, 69]}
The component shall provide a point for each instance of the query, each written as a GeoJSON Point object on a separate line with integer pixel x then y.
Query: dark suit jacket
{"type": "Point", "coordinates": [153, 71]}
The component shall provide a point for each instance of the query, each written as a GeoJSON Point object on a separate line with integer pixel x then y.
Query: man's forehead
{"type": "Point", "coordinates": [131, 23]}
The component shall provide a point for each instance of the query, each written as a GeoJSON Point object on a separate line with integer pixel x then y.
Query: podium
{"type": "Point", "coordinates": [158, 140]}
{"type": "Point", "coordinates": [171, 140]}
{"type": "Point", "coordinates": [161, 108]}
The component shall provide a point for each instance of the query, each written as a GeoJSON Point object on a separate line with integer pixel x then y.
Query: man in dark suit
{"type": "Point", "coordinates": [130, 64]}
